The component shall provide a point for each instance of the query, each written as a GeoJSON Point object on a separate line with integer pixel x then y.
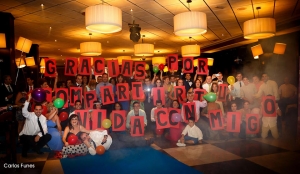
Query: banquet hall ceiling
{"type": "Point", "coordinates": [58, 27]}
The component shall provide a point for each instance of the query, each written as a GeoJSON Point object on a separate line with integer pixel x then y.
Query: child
{"type": "Point", "coordinates": [191, 134]}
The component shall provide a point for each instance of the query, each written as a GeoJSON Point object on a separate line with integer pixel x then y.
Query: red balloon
{"type": "Point", "coordinates": [100, 150]}
{"type": "Point", "coordinates": [63, 116]}
{"type": "Point", "coordinates": [161, 66]}
{"type": "Point", "coordinates": [72, 139]}
{"type": "Point", "coordinates": [159, 131]}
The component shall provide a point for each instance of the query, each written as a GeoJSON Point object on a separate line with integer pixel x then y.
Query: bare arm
{"type": "Point", "coordinates": [161, 73]}
{"type": "Point", "coordinates": [66, 131]}
{"type": "Point", "coordinates": [17, 101]}
{"type": "Point", "coordinates": [55, 82]}
{"type": "Point", "coordinates": [57, 121]}
{"type": "Point", "coordinates": [153, 78]}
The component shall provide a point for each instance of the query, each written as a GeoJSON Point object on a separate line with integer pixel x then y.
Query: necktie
{"type": "Point", "coordinates": [41, 129]}
{"type": "Point", "coordinates": [30, 89]}
{"type": "Point", "coordinates": [9, 89]}
{"type": "Point", "coordinates": [240, 84]}
{"type": "Point", "coordinates": [104, 84]}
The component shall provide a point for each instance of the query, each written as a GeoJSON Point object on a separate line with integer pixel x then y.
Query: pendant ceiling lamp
{"type": "Point", "coordinates": [190, 50]}
{"type": "Point", "coordinates": [256, 51]}
{"type": "Point", "coordinates": [191, 23]}
{"type": "Point", "coordinates": [90, 48]}
{"type": "Point", "coordinates": [259, 28]}
{"type": "Point", "coordinates": [24, 44]}
{"type": "Point", "coordinates": [279, 48]}
{"type": "Point", "coordinates": [121, 58]}
{"type": "Point", "coordinates": [103, 18]}
{"type": "Point", "coordinates": [143, 49]}
{"type": "Point", "coordinates": [30, 61]}
{"type": "Point", "coordinates": [210, 61]}
{"type": "Point", "coordinates": [158, 60]}
{"type": "Point", "coordinates": [2, 40]}
{"type": "Point", "coordinates": [20, 62]}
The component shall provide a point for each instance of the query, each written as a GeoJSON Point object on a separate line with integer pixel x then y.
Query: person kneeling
{"type": "Point", "coordinates": [95, 139]}
{"type": "Point", "coordinates": [191, 134]}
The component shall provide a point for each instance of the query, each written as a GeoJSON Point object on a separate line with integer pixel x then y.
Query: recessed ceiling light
{"type": "Point", "coordinates": [60, 55]}
{"type": "Point", "coordinates": [131, 10]}
{"type": "Point", "coordinates": [241, 8]}
{"type": "Point", "coordinates": [50, 27]}
{"type": "Point", "coordinates": [107, 42]}
{"type": "Point", "coordinates": [55, 40]}
{"type": "Point", "coordinates": [58, 49]}
{"type": "Point", "coordinates": [42, 5]}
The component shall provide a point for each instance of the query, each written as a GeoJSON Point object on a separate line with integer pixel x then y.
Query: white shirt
{"type": "Point", "coordinates": [173, 83]}
{"type": "Point", "coordinates": [207, 86]}
{"type": "Point", "coordinates": [152, 114]}
{"type": "Point", "coordinates": [236, 92]}
{"type": "Point", "coordinates": [198, 104]}
{"type": "Point", "coordinates": [31, 126]}
{"type": "Point", "coordinates": [194, 132]}
{"type": "Point", "coordinates": [97, 137]}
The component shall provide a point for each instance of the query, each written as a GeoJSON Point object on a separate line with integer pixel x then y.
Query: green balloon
{"type": "Point", "coordinates": [155, 69]}
{"type": "Point", "coordinates": [210, 97]}
{"type": "Point", "coordinates": [59, 103]}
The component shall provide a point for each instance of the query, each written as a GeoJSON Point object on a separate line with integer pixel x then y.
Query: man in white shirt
{"type": "Point", "coordinates": [77, 106]}
{"type": "Point", "coordinates": [136, 111]}
{"type": "Point", "coordinates": [198, 104]}
{"type": "Point", "coordinates": [191, 134]}
{"type": "Point", "coordinates": [207, 85]}
{"type": "Point", "coordinates": [35, 133]}
{"type": "Point", "coordinates": [95, 139]}
{"type": "Point", "coordinates": [235, 90]}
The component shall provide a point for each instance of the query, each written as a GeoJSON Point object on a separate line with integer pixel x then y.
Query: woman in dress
{"type": "Point", "coordinates": [215, 89]}
{"type": "Point", "coordinates": [168, 88]}
{"type": "Point", "coordinates": [54, 129]}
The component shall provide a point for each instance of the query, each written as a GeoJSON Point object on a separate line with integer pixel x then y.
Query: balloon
{"type": "Point", "coordinates": [72, 139]}
{"type": "Point", "coordinates": [146, 67]}
{"type": "Point", "coordinates": [166, 69]}
{"type": "Point", "coordinates": [231, 80]}
{"type": "Point", "coordinates": [59, 103]}
{"type": "Point", "coordinates": [161, 66]}
{"type": "Point", "coordinates": [210, 97]}
{"type": "Point", "coordinates": [176, 117]}
{"type": "Point", "coordinates": [106, 123]}
{"type": "Point", "coordinates": [100, 150]}
{"type": "Point", "coordinates": [155, 69]}
{"type": "Point", "coordinates": [38, 95]}
{"type": "Point", "coordinates": [159, 131]}
{"type": "Point", "coordinates": [63, 116]}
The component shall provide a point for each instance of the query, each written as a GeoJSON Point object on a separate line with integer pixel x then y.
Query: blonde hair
{"type": "Point", "coordinates": [92, 83]}
{"type": "Point", "coordinates": [50, 106]}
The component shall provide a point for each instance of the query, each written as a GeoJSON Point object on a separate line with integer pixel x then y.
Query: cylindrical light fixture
{"type": "Point", "coordinates": [195, 62]}
{"type": "Point", "coordinates": [121, 58]}
{"type": "Point", "coordinates": [20, 62]}
{"type": "Point", "coordinates": [143, 49]}
{"type": "Point", "coordinates": [2, 40]}
{"type": "Point", "coordinates": [42, 70]}
{"type": "Point", "coordinates": [24, 45]}
{"type": "Point", "coordinates": [210, 61]}
{"type": "Point", "coordinates": [90, 48]}
{"type": "Point", "coordinates": [30, 61]}
{"type": "Point", "coordinates": [259, 28]}
{"type": "Point", "coordinates": [190, 23]}
{"type": "Point", "coordinates": [190, 50]}
{"type": "Point", "coordinates": [279, 48]}
{"type": "Point", "coordinates": [256, 51]}
{"type": "Point", "coordinates": [158, 60]}
{"type": "Point", "coordinates": [103, 19]}
{"type": "Point", "coordinates": [42, 62]}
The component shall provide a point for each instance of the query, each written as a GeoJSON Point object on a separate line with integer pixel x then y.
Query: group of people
{"type": "Point", "coordinates": [39, 123]}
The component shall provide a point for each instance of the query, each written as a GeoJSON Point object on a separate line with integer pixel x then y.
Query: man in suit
{"type": "Point", "coordinates": [8, 91]}
{"type": "Point", "coordinates": [30, 86]}
{"type": "Point", "coordinates": [188, 83]}
{"type": "Point", "coordinates": [78, 80]}
{"type": "Point", "coordinates": [219, 77]}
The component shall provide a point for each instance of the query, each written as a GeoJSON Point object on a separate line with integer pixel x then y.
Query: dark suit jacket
{"type": "Point", "coordinates": [4, 93]}
{"type": "Point", "coordinates": [187, 85]}
{"type": "Point", "coordinates": [27, 88]}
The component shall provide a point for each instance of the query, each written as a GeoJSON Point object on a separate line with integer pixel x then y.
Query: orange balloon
{"type": "Point", "coordinates": [100, 150]}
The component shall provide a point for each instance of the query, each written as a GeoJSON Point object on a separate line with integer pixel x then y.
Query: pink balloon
{"type": "Point", "coordinates": [176, 117]}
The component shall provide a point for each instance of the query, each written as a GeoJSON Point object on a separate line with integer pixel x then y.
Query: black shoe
{"type": "Point", "coordinates": [38, 151]}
